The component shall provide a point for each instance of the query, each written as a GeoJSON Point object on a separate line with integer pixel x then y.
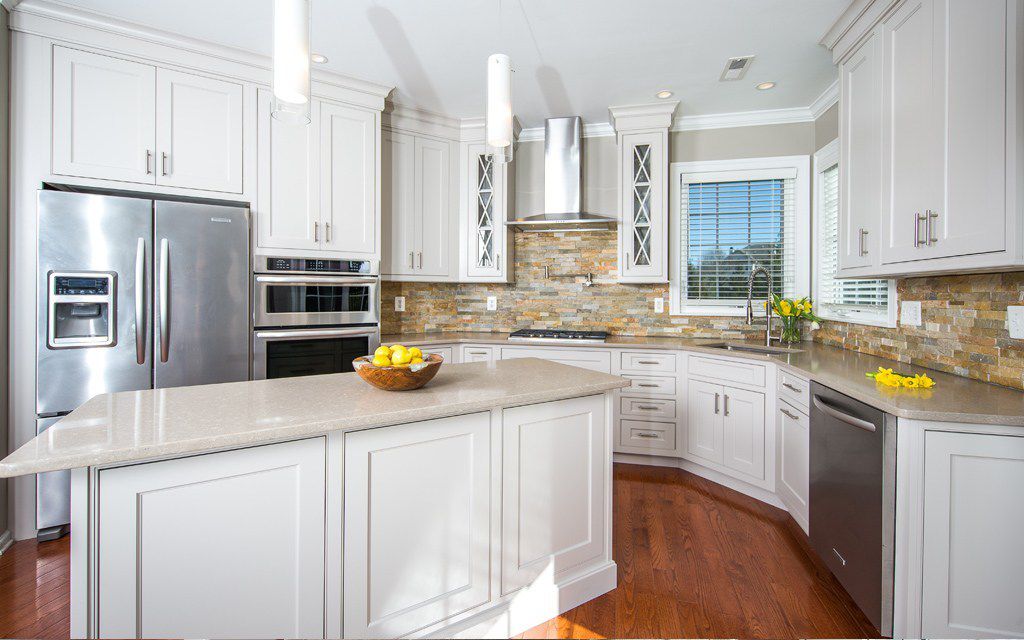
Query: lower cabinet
{"type": "Point", "coordinates": [725, 425]}
{"type": "Point", "coordinates": [417, 524]}
{"type": "Point", "coordinates": [793, 461]}
{"type": "Point", "coordinates": [554, 489]}
{"type": "Point", "coordinates": [249, 523]}
{"type": "Point", "coordinates": [973, 518]}
{"type": "Point", "coordinates": [477, 354]}
{"type": "Point", "coordinates": [585, 358]}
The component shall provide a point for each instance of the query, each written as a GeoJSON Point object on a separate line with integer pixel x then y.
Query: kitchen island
{"type": "Point", "coordinates": [477, 506]}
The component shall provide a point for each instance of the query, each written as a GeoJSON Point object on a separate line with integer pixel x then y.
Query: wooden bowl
{"type": "Point", "coordinates": [398, 378]}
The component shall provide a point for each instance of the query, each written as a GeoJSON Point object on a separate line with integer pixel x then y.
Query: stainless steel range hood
{"type": "Point", "coordinates": [563, 179]}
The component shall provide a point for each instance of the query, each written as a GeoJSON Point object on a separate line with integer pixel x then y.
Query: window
{"type": "Point", "coordinates": [730, 216]}
{"type": "Point", "coordinates": [859, 301]}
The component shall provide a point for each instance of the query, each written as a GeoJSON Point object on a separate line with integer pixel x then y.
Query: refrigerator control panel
{"type": "Point", "coordinates": [315, 265]}
{"type": "Point", "coordinates": [81, 308]}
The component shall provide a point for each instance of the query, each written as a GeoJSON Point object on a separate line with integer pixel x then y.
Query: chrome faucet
{"type": "Point", "coordinates": [768, 306]}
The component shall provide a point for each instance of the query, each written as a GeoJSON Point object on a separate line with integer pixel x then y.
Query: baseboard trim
{"type": "Point", "coordinates": [757, 493]}
{"type": "Point", "coordinates": [6, 540]}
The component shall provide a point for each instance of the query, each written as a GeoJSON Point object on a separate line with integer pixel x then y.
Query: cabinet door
{"type": "Point", "coordinates": [643, 232]}
{"type": "Point", "coordinates": [199, 132]}
{"type": "Point", "coordinates": [486, 185]}
{"type": "Point", "coordinates": [433, 218]}
{"type": "Point", "coordinates": [417, 524]}
{"type": "Point", "coordinates": [104, 117]}
{"type": "Point", "coordinates": [973, 559]}
{"type": "Point", "coordinates": [289, 211]}
{"type": "Point", "coordinates": [860, 199]}
{"type": "Point", "coordinates": [704, 421]}
{"type": "Point", "coordinates": [398, 160]}
{"type": "Point", "coordinates": [224, 545]}
{"type": "Point", "coordinates": [743, 418]}
{"type": "Point", "coordinates": [348, 179]}
{"type": "Point", "coordinates": [793, 433]}
{"type": "Point", "coordinates": [554, 487]}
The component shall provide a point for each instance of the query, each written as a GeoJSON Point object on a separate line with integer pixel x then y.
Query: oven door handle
{"type": "Point", "coordinates": [260, 279]}
{"type": "Point", "coordinates": [313, 333]}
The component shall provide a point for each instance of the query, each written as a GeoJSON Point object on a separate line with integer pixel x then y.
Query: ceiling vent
{"type": "Point", "coordinates": [736, 68]}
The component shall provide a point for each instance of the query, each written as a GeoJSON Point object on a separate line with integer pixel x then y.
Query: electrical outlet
{"type": "Point", "coordinates": [1015, 321]}
{"type": "Point", "coordinates": [492, 303]}
{"type": "Point", "coordinates": [659, 305]}
{"type": "Point", "coordinates": [910, 313]}
{"type": "Point", "coordinates": [399, 303]}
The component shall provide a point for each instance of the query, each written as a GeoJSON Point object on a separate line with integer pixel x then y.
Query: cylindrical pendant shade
{"type": "Point", "coordinates": [499, 106]}
{"type": "Point", "coordinates": [291, 61]}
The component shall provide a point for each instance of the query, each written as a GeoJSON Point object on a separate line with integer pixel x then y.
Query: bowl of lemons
{"type": "Point", "coordinates": [398, 368]}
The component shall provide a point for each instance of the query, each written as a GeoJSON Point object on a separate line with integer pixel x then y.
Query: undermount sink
{"type": "Point", "coordinates": [752, 348]}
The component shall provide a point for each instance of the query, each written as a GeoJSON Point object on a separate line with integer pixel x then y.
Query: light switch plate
{"type": "Point", "coordinates": [399, 303]}
{"type": "Point", "coordinates": [492, 303]}
{"type": "Point", "coordinates": [910, 313]}
{"type": "Point", "coordinates": [1015, 322]}
{"type": "Point", "coordinates": [659, 305]}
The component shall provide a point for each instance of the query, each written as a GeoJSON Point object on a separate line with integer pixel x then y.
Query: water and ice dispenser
{"type": "Point", "coordinates": [81, 309]}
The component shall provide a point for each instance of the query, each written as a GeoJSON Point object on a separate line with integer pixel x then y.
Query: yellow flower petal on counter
{"type": "Point", "coordinates": [924, 381]}
{"type": "Point", "coordinates": [909, 383]}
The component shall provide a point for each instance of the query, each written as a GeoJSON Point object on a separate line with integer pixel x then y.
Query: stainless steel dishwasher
{"type": "Point", "coordinates": [852, 498]}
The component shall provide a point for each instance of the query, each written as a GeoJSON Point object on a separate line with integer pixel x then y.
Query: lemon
{"type": "Point", "coordinates": [397, 347]}
{"type": "Point", "coordinates": [381, 361]}
{"type": "Point", "coordinates": [416, 361]}
{"type": "Point", "coordinates": [400, 357]}
{"type": "Point", "coordinates": [415, 352]}
{"type": "Point", "coordinates": [382, 352]}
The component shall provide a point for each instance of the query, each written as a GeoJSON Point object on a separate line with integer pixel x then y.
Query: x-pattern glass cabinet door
{"type": "Point", "coordinates": [485, 215]}
{"type": "Point", "coordinates": [642, 234]}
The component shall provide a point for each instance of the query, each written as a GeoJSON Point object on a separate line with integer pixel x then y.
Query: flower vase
{"type": "Point", "coordinates": [790, 330]}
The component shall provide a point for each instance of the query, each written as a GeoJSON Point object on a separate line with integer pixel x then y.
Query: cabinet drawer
{"type": "Point", "coordinates": [477, 354]}
{"type": "Point", "coordinates": [644, 385]}
{"type": "Point", "coordinates": [647, 408]}
{"type": "Point", "coordinates": [655, 362]}
{"type": "Point", "coordinates": [648, 435]}
{"type": "Point", "coordinates": [794, 389]}
{"type": "Point", "coordinates": [576, 357]}
{"type": "Point", "coordinates": [448, 353]}
{"type": "Point", "coordinates": [728, 370]}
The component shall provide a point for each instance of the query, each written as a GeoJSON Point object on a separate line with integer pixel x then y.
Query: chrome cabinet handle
{"type": "Point", "coordinates": [647, 407]}
{"type": "Point", "coordinates": [327, 230]}
{"type": "Point", "coordinates": [647, 385]}
{"type": "Point", "coordinates": [165, 300]}
{"type": "Point", "coordinates": [791, 387]}
{"type": "Point", "coordinates": [918, 218]}
{"type": "Point", "coordinates": [140, 301]}
{"type": "Point", "coordinates": [412, 263]}
{"type": "Point", "coordinates": [316, 232]}
{"type": "Point", "coordinates": [725, 405]}
{"type": "Point", "coordinates": [149, 162]}
{"type": "Point", "coordinates": [647, 362]}
{"type": "Point", "coordinates": [854, 421]}
{"type": "Point", "coordinates": [716, 403]}
{"type": "Point", "coordinates": [646, 434]}
{"type": "Point", "coordinates": [314, 280]}
{"type": "Point", "coordinates": [862, 249]}
{"type": "Point", "coordinates": [163, 163]}
{"type": "Point", "coordinates": [788, 414]}
{"type": "Point", "coordinates": [928, 226]}
{"type": "Point", "coordinates": [420, 256]}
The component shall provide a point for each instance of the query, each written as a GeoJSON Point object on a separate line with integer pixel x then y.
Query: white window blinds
{"type": "Point", "coordinates": [730, 225]}
{"type": "Point", "coordinates": [866, 300]}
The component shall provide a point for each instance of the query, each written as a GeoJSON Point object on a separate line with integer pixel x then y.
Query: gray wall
{"type": "Point", "coordinates": [5, 61]}
{"type": "Point", "coordinates": [742, 142]}
{"type": "Point", "coordinates": [826, 127]}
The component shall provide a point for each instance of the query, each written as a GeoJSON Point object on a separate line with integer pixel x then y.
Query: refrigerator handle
{"type": "Point", "coordinates": [140, 302]}
{"type": "Point", "coordinates": [165, 276]}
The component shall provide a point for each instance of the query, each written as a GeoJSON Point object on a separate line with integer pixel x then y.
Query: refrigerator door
{"type": "Point", "coordinates": [201, 294]}
{"type": "Point", "coordinates": [53, 490]}
{"type": "Point", "coordinates": [99, 246]}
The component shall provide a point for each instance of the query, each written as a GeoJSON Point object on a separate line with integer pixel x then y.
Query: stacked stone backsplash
{"type": "Point", "coordinates": [963, 328]}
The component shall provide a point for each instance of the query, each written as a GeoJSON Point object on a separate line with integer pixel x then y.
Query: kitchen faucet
{"type": "Point", "coordinates": [768, 306]}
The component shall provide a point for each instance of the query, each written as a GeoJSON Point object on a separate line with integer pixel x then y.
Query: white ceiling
{"type": "Point", "coordinates": [570, 56]}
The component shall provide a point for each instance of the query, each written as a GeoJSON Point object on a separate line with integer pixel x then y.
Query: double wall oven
{"type": "Point", "coordinates": [312, 316]}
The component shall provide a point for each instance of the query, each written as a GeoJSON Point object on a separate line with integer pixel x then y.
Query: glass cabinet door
{"type": "Point", "coordinates": [643, 243]}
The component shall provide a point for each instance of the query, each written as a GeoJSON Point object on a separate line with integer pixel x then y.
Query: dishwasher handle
{"type": "Point", "coordinates": [831, 411]}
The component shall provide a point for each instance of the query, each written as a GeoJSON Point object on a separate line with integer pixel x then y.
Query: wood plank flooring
{"type": "Point", "coordinates": [696, 560]}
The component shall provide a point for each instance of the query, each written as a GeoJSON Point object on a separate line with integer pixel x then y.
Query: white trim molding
{"type": "Point", "coordinates": [643, 117]}
{"type": "Point", "coordinates": [590, 130]}
{"type": "Point", "coordinates": [828, 98]}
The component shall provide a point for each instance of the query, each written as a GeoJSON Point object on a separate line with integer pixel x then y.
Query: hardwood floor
{"type": "Point", "coordinates": [696, 560]}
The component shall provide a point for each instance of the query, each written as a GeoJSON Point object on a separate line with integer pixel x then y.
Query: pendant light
{"type": "Point", "coordinates": [499, 103]}
{"type": "Point", "coordinates": [291, 61]}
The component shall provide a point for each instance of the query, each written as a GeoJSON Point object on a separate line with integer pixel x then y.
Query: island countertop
{"type": "Point", "coordinates": [138, 425]}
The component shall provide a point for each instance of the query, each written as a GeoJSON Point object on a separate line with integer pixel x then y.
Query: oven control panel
{"type": "Point", "coordinates": [315, 265]}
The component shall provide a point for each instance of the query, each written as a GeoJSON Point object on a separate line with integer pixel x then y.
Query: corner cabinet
{"type": "Point", "coordinates": [318, 187]}
{"type": "Point", "coordinates": [642, 135]}
{"type": "Point", "coordinates": [487, 200]}
{"type": "Point", "coordinates": [931, 133]}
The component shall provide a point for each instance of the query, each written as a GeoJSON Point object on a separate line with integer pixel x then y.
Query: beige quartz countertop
{"type": "Point", "coordinates": [138, 425]}
{"type": "Point", "coordinates": [953, 399]}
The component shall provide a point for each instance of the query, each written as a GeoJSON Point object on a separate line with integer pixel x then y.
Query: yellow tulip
{"type": "Point", "coordinates": [786, 308]}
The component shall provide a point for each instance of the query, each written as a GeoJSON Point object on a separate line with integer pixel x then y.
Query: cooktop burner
{"type": "Point", "coordinates": [559, 334]}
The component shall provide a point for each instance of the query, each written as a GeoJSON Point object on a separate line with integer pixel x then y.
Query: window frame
{"type": "Point", "coordinates": [732, 170]}
{"type": "Point", "coordinates": [825, 158]}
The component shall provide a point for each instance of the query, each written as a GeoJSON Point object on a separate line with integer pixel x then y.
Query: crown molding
{"type": "Point", "coordinates": [824, 102]}
{"type": "Point", "coordinates": [590, 130]}
{"type": "Point", "coordinates": [634, 117]}
{"type": "Point", "coordinates": [743, 119]}
{"type": "Point", "coordinates": [9, 4]}
{"type": "Point", "coordinates": [853, 24]}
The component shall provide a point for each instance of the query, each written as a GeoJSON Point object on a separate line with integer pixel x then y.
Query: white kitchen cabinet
{"type": "Point", "coordinates": [398, 207]}
{"type": "Point", "coordinates": [973, 559]}
{"type": "Point", "coordinates": [554, 489]}
{"type": "Point", "coordinates": [488, 199]}
{"type": "Point", "coordinates": [705, 434]}
{"type": "Point", "coordinates": [348, 179]}
{"type": "Point", "coordinates": [186, 540]}
{"type": "Point", "coordinates": [593, 359]}
{"type": "Point", "coordinates": [726, 426]}
{"type": "Point", "coordinates": [472, 353]}
{"type": "Point", "coordinates": [104, 117]}
{"type": "Point", "coordinates": [448, 351]}
{"type": "Point", "coordinates": [417, 524]}
{"type": "Point", "coordinates": [792, 484]}
{"type": "Point", "coordinates": [198, 132]}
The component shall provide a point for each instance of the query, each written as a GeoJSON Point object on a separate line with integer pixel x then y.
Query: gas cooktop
{"type": "Point", "coordinates": [559, 334]}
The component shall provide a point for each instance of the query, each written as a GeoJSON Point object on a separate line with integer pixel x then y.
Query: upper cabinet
{"type": "Point", "coordinates": [114, 119]}
{"type": "Point", "coordinates": [318, 183]}
{"type": "Point", "coordinates": [488, 189]}
{"type": "Point", "coordinates": [642, 135]}
{"type": "Point", "coordinates": [930, 135]}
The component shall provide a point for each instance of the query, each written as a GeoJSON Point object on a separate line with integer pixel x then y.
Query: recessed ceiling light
{"type": "Point", "coordinates": [318, 58]}
{"type": "Point", "coordinates": [664, 95]}
{"type": "Point", "coordinates": [764, 86]}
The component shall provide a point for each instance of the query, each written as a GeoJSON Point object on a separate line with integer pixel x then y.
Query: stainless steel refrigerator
{"type": "Point", "coordinates": [133, 293]}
